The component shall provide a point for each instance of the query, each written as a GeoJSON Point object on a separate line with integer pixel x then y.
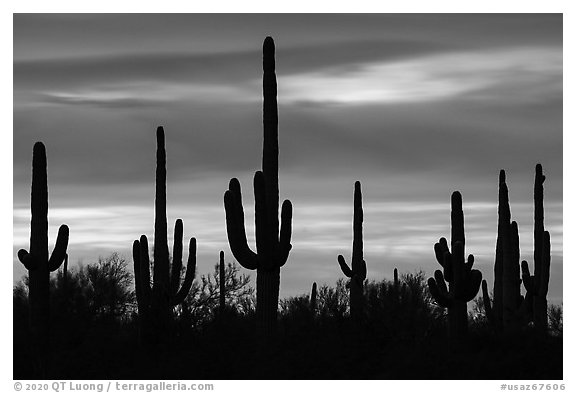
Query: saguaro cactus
{"type": "Point", "coordinates": [155, 303]}
{"type": "Point", "coordinates": [537, 285]}
{"type": "Point", "coordinates": [509, 308]}
{"type": "Point", "coordinates": [272, 247]}
{"type": "Point", "coordinates": [357, 273]}
{"type": "Point", "coordinates": [313, 298]}
{"type": "Point", "coordinates": [463, 281]}
{"type": "Point", "coordinates": [37, 261]}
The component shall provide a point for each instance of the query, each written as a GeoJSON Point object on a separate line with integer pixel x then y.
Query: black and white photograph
{"type": "Point", "coordinates": [287, 196]}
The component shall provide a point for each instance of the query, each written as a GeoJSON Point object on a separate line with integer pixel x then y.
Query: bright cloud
{"type": "Point", "coordinates": [426, 78]}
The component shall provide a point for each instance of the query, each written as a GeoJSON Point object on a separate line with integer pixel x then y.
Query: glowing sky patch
{"type": "Point", "coordinates": [423, 79]}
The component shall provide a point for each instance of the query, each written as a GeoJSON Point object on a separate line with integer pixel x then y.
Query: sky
{"type": "Point", "coordinates": [413, 106]}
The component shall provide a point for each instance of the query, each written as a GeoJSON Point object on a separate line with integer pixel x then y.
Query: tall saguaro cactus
{"type": "Point", "coordinates": [155, 302]}
{"type": "Point", "coordinates": [463, 281]}
{"type": "Point", "coordinates": [272, 245]}
{"type": "Point", "coordinates": [509, 307]}
{"type": "Point", "coordinates": [357, 273]}
{"type": "Point", "coordinates": [537, 285]}
{"type": "Point", "coordinates": [37, 260]}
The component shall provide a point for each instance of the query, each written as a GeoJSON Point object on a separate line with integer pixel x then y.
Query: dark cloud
{"type": "Point", "coordinates": [65, 35]}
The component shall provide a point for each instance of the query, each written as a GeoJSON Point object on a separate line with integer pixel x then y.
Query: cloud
{"type": "Point", "coordinates": [435, 77]}
{"type": "Point", "coordinates": [414, 106]}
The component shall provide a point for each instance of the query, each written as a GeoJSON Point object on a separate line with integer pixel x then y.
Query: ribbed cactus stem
{"type": "Point", "coordinates": [155, 302]}
{"type": "Point", "coordinates": [272, 237]}
{"type": "Point", "coordinates": [267, 293]}
{"type": "Point", "coordinates": [37, 260]}
{"type": "Point", "coordinates": [463, 281]}
{"type": "Point", "coordinates": [537, 285]}
{"type": "Point", "coordinates": [357, 271]}
{"type": "Point", "coordinates": [222, 277]}
{"type": "Point", "coordinates": [270, 140]}
{"type": "Point", "coordinates": [161, 289]}
{"type": "Point", "coordinates": [504, 217]}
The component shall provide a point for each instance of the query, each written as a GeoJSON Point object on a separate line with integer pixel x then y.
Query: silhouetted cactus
{"type": "Point", "coordinates": [273, 246]}
{"type": "Point", "coordinates": [463, 281]}
{"type": "Point", "coordinates": [357, 273]}
{"type": "Point", "coordinates": [37, 261]}
{"type": "Point", "coordinates": [222, 286]}
{"type": "Point", "coordinates": [537, 285]}
{"type": "Point", "coordinates": [313, 297]}
{"type": "Point", "coordinates": [155, 303]}
{"type": "Point", "coordinates": [509, 310]}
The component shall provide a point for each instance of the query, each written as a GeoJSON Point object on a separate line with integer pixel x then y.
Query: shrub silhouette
{"type": "Point", "coordinates": [333, 303]}
{"type": "Point", "coordinates": [273, 245]}
{"type": "Point", "coordinates": [110, 293]}
{"type": "Point", "coordinates": [556, 320]}
{"type": "Point", "coordinates": [203, 301]}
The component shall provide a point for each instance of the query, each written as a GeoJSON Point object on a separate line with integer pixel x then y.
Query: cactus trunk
{"type": "Point", "coordinates": [272, 237]}
{"type": "Point", "coordinates": [458, 319]}
{"type": "Point", "coordinates": [267, 292]}
{"type": "Point", "coordinates": [39, 278]}
{"type": "Point", "coordinates": [357, 272]}
{"type": "Point", "coordinates": [537, 285]}
{"type": "Point", "coordinates": [541, 266]}
{"type": "Point", "coordinates": [222, 287]}
{"type": "Point", "coordinates": [155, 302]}
{"type": "Point", "coordinates": [38, 262]}
{"type": "Point", "coordinates": [463, 281]}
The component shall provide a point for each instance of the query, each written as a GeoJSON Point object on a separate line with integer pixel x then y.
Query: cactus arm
{"type": "Point", "coordinates": [527, 279]}
{"type": "Point", "coordinates": [27, 259]}
{"type": "Point", "coordinates": [145, 270]}
{"type": "Point", "coordinates": [235, 227]}
{"type": "Point", "coordinates": [473, 285]}
{"type": "Point", "coordinates": [176, 257]}
{"type": "Point", "coordinates": [285, 232]}
{"type": "Point", "coordinates": [137, 274]}
{"type": "Point", "coordinates": [440, 250]}
{"type": "Point", "coordinates": [438, 289]}
{"type": "Point", "coordinates": [468, 265]}
{"type": "Point", "coordinates": [59, 252]}
{"type": "Point", "coordinates": [344, 266]}
{"type": "Point", "coordinates": [189, 276]}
